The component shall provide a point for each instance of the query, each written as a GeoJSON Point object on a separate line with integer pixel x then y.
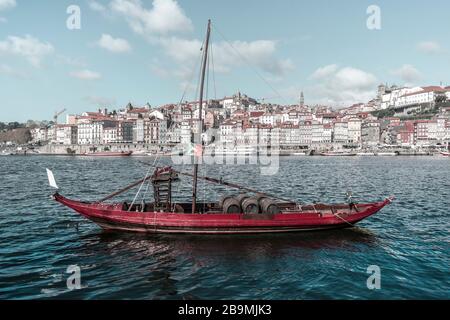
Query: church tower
{"type": "Point", "coordinates": [302, 100]}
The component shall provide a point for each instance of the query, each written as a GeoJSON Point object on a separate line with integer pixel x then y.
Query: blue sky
{"type": "Point", "coordinates": [144, 51]}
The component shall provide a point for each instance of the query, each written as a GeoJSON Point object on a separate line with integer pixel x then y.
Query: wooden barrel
{"type": "Point", "coordinates": [241, 197]}
{"type": "Point", "coordinates": [231, 205]}
{"type": "Point", "coordinates": [250, 206]}
{"type": "Point", "coordinates": [223, 198]}
{"type": "Point", "coordinates": [269, 206]}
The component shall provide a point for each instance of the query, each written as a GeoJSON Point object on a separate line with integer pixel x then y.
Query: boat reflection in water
{"type": "Point", "coordinates": [231, 246]}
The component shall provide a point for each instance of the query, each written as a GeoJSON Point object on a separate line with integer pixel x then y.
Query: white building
{"type": "Point", "coordinates": [110, 135]}
{"type": "Point", "coordinates": [185, 132]}
{"type": "Point", "coordinates": [305, 133]}
{"type": "Point", "coordinates": [139, 131]}
{"type": "Point", "coordinates": [39, 135]}
{"type": "Point", "coordinates": [173, 135]}
{"type": "Point", "coordinates": [66, 134]}
{"type": "Point", "coordinates": [341, 132]}
{"type": "Point", "coordinates": [92, 132]}
{"type": "Point", "coordinates": [354, 130]}
{"type": "Point", "coordinates": [226, 132]}
{"type": "Point", "coordinates": [425, 96]}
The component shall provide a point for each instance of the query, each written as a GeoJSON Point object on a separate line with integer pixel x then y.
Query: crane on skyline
{"type": "Point", "coordinates": [55, 121]}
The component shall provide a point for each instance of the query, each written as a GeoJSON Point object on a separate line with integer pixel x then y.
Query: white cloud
{"type": "Point", "coordinates": [28, 47]}
{"type": "Point", "coordinates": [85, 75]}
{"type": "Point", "coordinates": [165, 17]}
{"type": "Point", "coordinates": [114, 45]}
{"type": "Point", "coordinates": [407, 73]}
{"type": "Point", "coordinates": [259, 53]}
{"type": "Point", "coordinates": [182, 50]}
{"type": "Point", "coordinates": [161, 26]}
{"type": "Point", "coordinates": [342, 86]}
{"type": "Point", "coordinates": [96, 6]}
{"type": "Point", "coordinates": [7, 4]}
{"type": "Point", "coordinates": [429, 47]}
{"type": "Point", "coordinates": [324, 72]}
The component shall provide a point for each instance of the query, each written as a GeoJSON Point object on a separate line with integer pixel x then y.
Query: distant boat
{"type": "Point", "coordinates": [236, 151]}
{"type": "Point", "coordinates": [299, 154]}
{"type": "Point", "coordinates": [445, 154]}
{"type": "Point", "coordinates": [140, 153]}
{"type": "Point", "coordinates": [108, 154]}
{"type": "Point", "coordinates": [338, 154]}
{"type": "Point", "coordinates": [387, 154]}
{"type": "Point", "coordinates": [366, 154]}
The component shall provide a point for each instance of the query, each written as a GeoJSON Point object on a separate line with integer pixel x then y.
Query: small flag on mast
{"type": "Point", "coordinates": [51, 179]}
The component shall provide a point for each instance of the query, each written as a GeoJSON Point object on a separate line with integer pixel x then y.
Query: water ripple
{"type": "Point", "coordinates": [408, 240]}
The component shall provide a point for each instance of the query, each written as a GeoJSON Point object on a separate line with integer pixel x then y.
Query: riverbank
{"type": "Point", "coordinates": [146, 150]}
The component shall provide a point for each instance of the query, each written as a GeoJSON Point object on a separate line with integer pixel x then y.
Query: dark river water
{"type": "Point", "coordinates": [408, 240]}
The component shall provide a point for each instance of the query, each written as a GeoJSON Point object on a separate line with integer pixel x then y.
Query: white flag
{"type": "Point", "coordinates": [51, 179]}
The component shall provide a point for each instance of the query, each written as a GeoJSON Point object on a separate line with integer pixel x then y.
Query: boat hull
{"type": "Point", "coordinates": [112, 217]}
{"type": "Point", "coordinates": [109, 154]}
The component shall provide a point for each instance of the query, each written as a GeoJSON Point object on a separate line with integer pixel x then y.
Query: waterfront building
{"type": "Point", "coordinates": [425, 132]}
{"type": "Point", "coordinates": [139, 131]}
{"type": "Point", "coordinates": [39, 135]}
{"type": "Point", "coordinates": [125, 131]}
{"type": "Point", "coordinates": [264, 136]}
{"type": "Point", "coordinates": [340, 132]}
{"type": "Point", "coordinates": [370, 133]}
{"type": "Point", "coordinates": [226, 132]}
{"type": "Point", "coordinates": [251, 135]}
{"type": "Point", "coordinates": [92, 132]}
{"type": "Point", "coordinates": [305, 133]}
{"type": "Point", "coordinates": [405, 135]}
{"type": "Point", "coordinates": [354, 130]}
{"type": "Point", "coordinates": [110, 135]}
{"type": "Point", "coordinates": [155, 131]}
{"type": "Point", "coordinates": [185, 133]}
{"type": "Point", "coordinates": [173, 135]}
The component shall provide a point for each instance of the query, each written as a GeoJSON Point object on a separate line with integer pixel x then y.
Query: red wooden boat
{"type": "Point", "coordinates": [248, 212]}
{"type": "Point", "coordinates": [290, 218]}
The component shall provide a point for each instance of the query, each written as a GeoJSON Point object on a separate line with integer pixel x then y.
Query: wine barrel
{"type": "Point", "coordinates": [231, 205]}
{"type": "Point", "coordinates": [241, 197]}
{"type": "Point", "coordinates": [269, 206]}
{"type": "Point", "coordinates": [250, 205]}
{"type": "Point", "coordinates": [222, 200]}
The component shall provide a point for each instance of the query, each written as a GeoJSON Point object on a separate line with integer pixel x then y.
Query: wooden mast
{"type": "Point", "coordinates": [200, 129]}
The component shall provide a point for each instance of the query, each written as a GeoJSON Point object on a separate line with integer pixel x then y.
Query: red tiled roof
{"type": "Point", "coordinates": [425, 90]}
{"type": "Point", "coordinates": [255, 114]}
{"type": "Point", "coordinates": [138, 110]}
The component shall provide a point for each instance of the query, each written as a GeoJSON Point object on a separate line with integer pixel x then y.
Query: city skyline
{"type": "Point", "coordinates": [126, 51]}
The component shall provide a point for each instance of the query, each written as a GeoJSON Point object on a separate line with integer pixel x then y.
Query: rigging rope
{"type": "Point", "coordinates": [213, 72]}
{"type": "Point", "coordinates": [188, 83]}
{"type": "Point", "coordinates": [142, 184]}
{"type": "Point", "coordinates": [250, 65]}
